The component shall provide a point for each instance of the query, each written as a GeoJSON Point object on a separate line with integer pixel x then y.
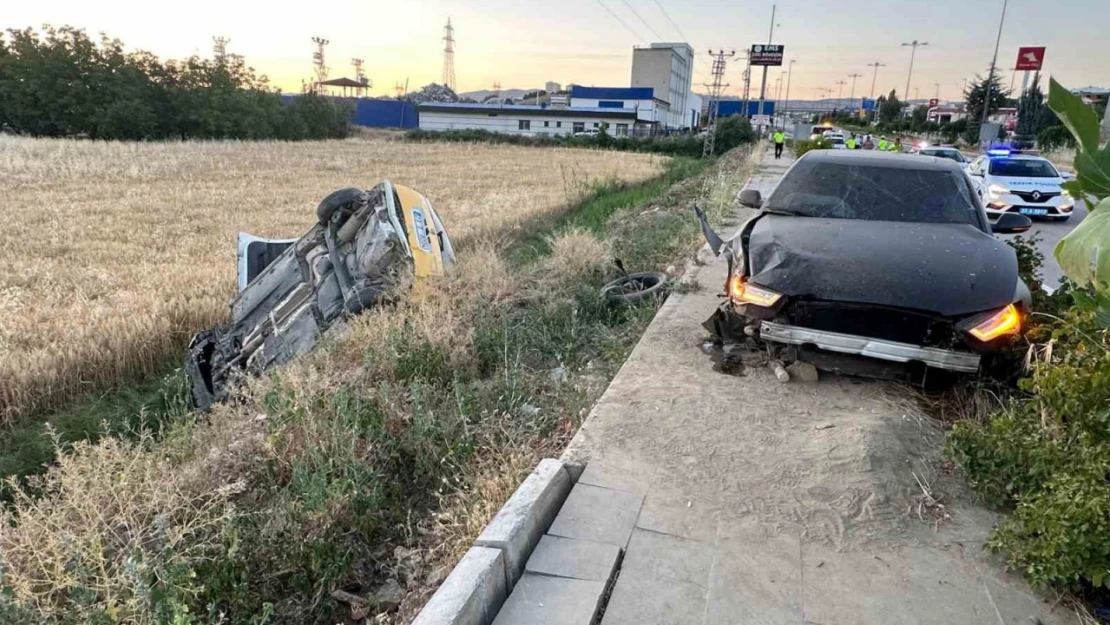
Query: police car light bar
{"type": "Point", "coordinates": [1000, 152]}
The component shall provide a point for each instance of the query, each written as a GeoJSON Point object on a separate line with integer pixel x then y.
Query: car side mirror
{"type": "Point", "coordinates": [1011, 223]}
{"type": "Point", "coordinates": [751, 198]}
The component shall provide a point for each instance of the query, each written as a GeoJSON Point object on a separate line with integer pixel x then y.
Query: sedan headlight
{"type": "Point", "coordinates": [741, 290]}
{"type": "Point", "coordinates": [996, 191]}
{"type": "Point", "coordinates": [1004, 322]}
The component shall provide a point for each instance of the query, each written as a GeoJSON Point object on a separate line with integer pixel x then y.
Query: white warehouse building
{"type": "Point", "coordinates": [519, 119]}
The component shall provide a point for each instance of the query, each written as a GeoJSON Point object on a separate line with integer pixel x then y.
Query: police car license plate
{"type": "Point", "coordinates": [1033, 211]}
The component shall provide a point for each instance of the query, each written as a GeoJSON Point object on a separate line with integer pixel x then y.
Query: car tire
{"type": "Point", "coordinates": [334, 201]}
{"type": "Point", "coordinates": [635, 287]}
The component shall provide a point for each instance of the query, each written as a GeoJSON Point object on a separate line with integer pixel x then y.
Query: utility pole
{"type": "Point", "coordinates": [770, 38]}
{"type": "Point", "coordinates": [318, 60]}
{"type": "Point", "coordinates": [219, 47]}
{"type": "Point", "coordinates": [914, 45]}
{"type": "Point", "coordinates": [789, 75]}
{"type": "Point", "coordinates": [716, 88]}
{"type": "Point", "coordinates": [937, 96]}
{"type": "Point", "coordinates": [839, 93]}
{"type": "Point", "coordinates": [747, 81]}
{"type": "Point", "coordinates": [360, 76]}
{"type": "Point", "coordinates": [990, 74]}
{"type": "Point", "coordinates": [449, 55]}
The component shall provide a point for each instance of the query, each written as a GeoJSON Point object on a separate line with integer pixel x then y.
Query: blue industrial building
{"type": "Point", "coordinates": [377, 113]}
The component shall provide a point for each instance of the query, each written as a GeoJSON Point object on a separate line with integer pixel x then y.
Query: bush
{"type": "Point", "coordinates": [1047, 454]}
{"type": "Point", "coordinates": [801, 146]}
{"type": "Point", "coordinates": [731, 132]}
{"type": "Point", "coordinates": [59, 83]}
{"type": "Point", "coordinates": [1055, 138]}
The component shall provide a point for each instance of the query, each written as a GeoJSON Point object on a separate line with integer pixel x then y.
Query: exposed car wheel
{"type": "Point", "coordinates": [635, 287]}
{"type": "Point", "coordinates": [334, 201]}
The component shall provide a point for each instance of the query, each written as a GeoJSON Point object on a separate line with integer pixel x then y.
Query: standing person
{"type": "Point", "coordinates": [897, 147]}
{"type": "Point", "coordinates": [882, 144]}
{"type": "Point", "coordinates": [780, 142]}
{"type": "Point", "coordinates": [851, 142]}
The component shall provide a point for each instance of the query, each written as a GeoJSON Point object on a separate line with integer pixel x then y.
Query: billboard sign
{"type": "Point", "coordinates": [1030, 58]}
{"type": "Point", "coordinates": [761, 120]}
{"type": "Point", "coordinates": [933, 102]}
{"type": "Point", "coordinates": [868, 104]}
{"type": "Point", "coordinates": [766, 54]}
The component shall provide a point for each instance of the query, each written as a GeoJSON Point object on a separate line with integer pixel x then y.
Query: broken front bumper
{"type": "Point", "coordinates": [870, 347]}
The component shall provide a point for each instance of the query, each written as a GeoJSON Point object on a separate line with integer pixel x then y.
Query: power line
{"type": "Point", "coordinates": [667, 15]}
{"type": "Point", "coordinates": [716, 88]}
{"type": "Point", "coordinates": [617, 17]}
{"type": "Point", "coordinates": [642, 21]}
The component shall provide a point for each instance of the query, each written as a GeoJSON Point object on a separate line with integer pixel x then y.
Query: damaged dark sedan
{"type": "Point", "coordinates": [858, 260]}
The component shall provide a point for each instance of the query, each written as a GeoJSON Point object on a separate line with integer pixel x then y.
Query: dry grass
{"type": "Point", "coordinates": [116, 253]}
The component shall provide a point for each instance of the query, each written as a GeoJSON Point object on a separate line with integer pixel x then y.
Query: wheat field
{"type": "Point", "coordinates": [115, 253]}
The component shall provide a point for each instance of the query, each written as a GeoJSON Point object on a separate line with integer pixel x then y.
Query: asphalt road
{"type": "Point", "coordinates": [1050, 233]}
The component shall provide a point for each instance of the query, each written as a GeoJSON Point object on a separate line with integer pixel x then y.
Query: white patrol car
{"type": "Point", "coordinates": [1011, 182]}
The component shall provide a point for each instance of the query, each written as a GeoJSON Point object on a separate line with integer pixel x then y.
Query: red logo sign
{"type": "Point", "coordinates": [933, 102]}
{"type": "Point", "coordinates": [1030, 58]}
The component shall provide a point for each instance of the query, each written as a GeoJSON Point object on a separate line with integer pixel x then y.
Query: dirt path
{"type": "Point", "coordinates": [823, 503]}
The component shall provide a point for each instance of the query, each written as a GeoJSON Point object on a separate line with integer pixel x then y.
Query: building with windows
{"type": "Point", "coordinates": [518, 119]}
{"type": "Point", "coordinates": [668, 69]}
{"type": "Point", "coordinates": [552, 87]}
{"type": "Point", "coordinates": [650, 110]}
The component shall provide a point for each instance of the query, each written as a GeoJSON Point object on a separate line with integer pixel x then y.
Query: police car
{"type": "Point", "coordinates": [1010, 181]}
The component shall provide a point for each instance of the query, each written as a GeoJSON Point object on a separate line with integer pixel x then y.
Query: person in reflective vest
{"type": "Point", "coordinates": [851, 142]}
{"type": "Point", "coordinates": [780, 141]}
{"type": "Point", "coordinates": [897, 145]}
{"type": "Point", "coordinates": [882, 144]}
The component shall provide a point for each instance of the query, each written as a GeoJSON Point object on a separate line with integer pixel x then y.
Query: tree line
{"type": "Point", "coordinates": [58, 82]}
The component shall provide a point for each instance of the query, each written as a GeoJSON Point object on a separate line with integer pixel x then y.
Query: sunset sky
{"type": "Point", "coordinates": [523, 43]}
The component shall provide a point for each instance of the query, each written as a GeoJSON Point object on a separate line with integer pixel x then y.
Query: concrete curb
{"type": "Point", "coordinates": [477, 587]}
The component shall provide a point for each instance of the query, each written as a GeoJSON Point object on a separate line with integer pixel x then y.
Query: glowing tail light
{"type": "Point", "coordinates": [744, 291]}
{"type": "Point", "coordinates": [1005, 321]}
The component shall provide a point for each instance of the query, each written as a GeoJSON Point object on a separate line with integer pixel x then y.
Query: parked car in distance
{"type": "Point", "coordinates": [591, 132]}
{"type": "Point", "coordinates": [943, 151]}
{"type": "Point", "coordinates": [860, 257]}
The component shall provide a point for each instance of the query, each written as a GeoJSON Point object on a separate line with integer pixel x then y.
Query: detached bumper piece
{"type": "Point", "coordinates": [870, 347]}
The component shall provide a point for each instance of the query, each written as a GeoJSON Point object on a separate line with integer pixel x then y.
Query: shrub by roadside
{"type": "Point", "coordinates": [374, 458]}
{"type": "Point", "coordinates": [731, 132]}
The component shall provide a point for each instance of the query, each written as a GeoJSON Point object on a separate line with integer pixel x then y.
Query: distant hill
{"type": "Point", "coordinates": [482, 94]}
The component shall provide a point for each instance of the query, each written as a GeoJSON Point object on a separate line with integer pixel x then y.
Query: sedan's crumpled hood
{"type": "Point", "coordinates": [948, 269]}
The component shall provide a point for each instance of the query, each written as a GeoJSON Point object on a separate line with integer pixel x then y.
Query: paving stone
{"type": "Point", "coordinates": [678, 515]}
{"type": "Point", "coordinates": [578, 559]}
{"type": "Point", "coordinates": [756, 581]}
{"type": "Point", "coordinates": [545, 600]}
{"type": "Point", "coordinates": [640, 599]}
{"type": "Point", "coordinates": [669, 557]}
{"type": "Point", "coordinates": [916, 585]}
{"type": "Point", "coordinates": [525, 517]}
{"type": "Point", "coordinates": [472, 594]}
{"type": "Point", "coordinates": [599, 514]}
{"type": "Point", "coordinates": [618, 472]}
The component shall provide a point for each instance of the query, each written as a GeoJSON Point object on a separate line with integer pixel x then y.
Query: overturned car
{"type": "Point", "coordinates": [857, 261]}
{"type": "Point", "coordinates": [366, 247]}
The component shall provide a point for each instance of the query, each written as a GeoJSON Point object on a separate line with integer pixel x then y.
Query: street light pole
{"type": "Point", "coordinates": [763, 86]}
{"type": "Point", "coordinates": [852, 93]}
{"type": "Point", "coordinates": [839, 93]}
{"type": "Point", "coordinates": [938, 92]}
{"type": "Point", "coordinates": [914, 45]}
{"type": "Point", "coordinates": [789, 74]}
{"type": "Point", "coordinates": [990, 74]}
{"type": "Point", "coordinates": [875, 75]}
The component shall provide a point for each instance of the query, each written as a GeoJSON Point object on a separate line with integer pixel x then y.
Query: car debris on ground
{"type": "Point", "coordinates": [367, 247]}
